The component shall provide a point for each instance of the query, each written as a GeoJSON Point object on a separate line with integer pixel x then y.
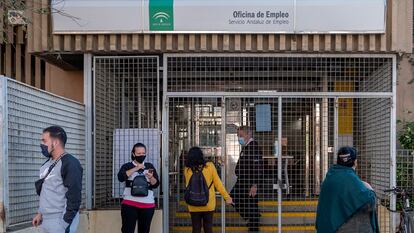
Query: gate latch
{"type": "Point", "coordinates": [280, 184]}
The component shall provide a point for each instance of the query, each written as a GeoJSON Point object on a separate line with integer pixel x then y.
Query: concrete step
{"type": "Point", "coordinates": [297, 216]}
{"type": "Point", "coordinates": [267, 218]}
{"type": "Point", "coordinates": [243, 229]}
{"type": "Point", "coordinates": [264, 206]}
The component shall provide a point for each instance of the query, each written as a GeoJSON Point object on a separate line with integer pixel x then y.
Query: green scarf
{"type": "Point", "coordinates": [342, 195]}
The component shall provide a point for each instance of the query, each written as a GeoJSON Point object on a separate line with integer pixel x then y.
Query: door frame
{"type": "Point", "coordinates": [165, 153]}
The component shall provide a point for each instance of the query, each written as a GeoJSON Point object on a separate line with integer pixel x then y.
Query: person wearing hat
{"type": "Point", "coordinates": [346, 203]}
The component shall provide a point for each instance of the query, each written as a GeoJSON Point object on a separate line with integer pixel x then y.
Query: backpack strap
{"type": "Point", "coordinates": [211, 184]}
{"type": "Point", "coordinates": [53, 165]}
{"type": "Point", "coordinates": [128, 183]}
{"type": "Point", "coordinates": [45, 162]}
{"type": "Point", "coordinates": [194, 170]}
{"type": "Point", "coordinates": [197, 170]}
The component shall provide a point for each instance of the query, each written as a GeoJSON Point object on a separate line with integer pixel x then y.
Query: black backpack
{"type": "Point", "coordinates": [139, 186]}
{"type": "Point", "coordinates": [197, 191]}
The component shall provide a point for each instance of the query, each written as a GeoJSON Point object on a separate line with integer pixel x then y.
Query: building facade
{"type": "Point", "coordinates": [306, 85]}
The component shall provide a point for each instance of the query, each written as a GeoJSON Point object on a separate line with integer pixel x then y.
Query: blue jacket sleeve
{"type": "Point", "coordinates": [72, 180]}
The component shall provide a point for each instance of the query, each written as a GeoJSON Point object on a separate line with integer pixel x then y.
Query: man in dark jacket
{"type": "Point", "coordinates": [248, 170]}
{"type": "Point", "coordinates": [61, 192]}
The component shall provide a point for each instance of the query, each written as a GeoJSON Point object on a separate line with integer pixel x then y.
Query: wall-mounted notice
{"type": "Point", "coordinates": [263, 118]}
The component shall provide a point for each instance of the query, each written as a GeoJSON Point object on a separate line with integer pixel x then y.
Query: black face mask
{"type": "Point", "coordinates": [140, 159]}
{"type": "Point", "coordinates": [45, 151]}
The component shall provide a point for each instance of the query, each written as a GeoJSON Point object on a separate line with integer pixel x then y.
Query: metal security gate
{"type": "Point", "coordinates": [126, 111]}
{"type": "Point", "coordinates": [261, 117]}
{"type": "Point", "coordinates": [300, 109]}
{"type": "Point", "coordinates": [24, 113]}
{"type": "Point", "coordinates": [211, 124]}
{"type": "Point", "coordinates": [192, 121]}
{"type": "Point", "coordinates": [295, 158]}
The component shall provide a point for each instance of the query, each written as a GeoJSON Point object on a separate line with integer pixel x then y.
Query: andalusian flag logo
{"type": "Point", "coordinates": [161, 15]}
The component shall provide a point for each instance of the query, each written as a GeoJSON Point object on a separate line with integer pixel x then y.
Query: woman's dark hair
{"type": "Point", "coordinates": [138, 145]}
{"type": "Point", "coordinates": [195, 159]}
{"type": "Point", "coordinates": [346, 156]}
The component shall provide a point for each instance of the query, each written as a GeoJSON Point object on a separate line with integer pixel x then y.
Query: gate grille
{"type": "Point", "coordinates": [308, 149]}
{"type": "Point", "coordinates": [126, 110]}
{"type": "Point", "coordinates": [281, 74]}
{"type": "Point", "coordinates": [29, 111]}
{"type": "Point", "coordinates": [313, 128]}
{"type": "Point", "coordinates": [127, 96]}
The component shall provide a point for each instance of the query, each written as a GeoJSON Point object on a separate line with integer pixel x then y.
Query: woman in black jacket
{"type": "Point", "coordinates": [138, 208]}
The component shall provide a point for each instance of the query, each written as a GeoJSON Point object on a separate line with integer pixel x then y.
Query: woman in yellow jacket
{"type": "Point", "coordinates": [202, 216]}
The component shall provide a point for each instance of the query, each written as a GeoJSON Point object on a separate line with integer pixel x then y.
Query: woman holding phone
{"type": "Point", "coordinates": [138, 203]}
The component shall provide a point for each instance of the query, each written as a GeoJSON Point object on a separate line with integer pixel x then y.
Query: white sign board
{"type": "Point", "coordinates": [359, 16]}
{"type": "Point", "coordinates": [234, 16]}
{"type": "Point", "coordinates": [123, 141]}
{"type": "Point", "coordinates": [219, 16]}
{"type": "Point", "coordinates": [105, 16]}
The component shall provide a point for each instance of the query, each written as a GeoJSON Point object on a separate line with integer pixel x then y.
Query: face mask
{"type": "Point", "coordinates": [45, 151]}
{"type": "Point", "coordinates": [140, 159]}
{"type": "Point", "coordinates": [241, 141]}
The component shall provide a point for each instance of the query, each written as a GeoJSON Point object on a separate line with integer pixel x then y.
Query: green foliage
{"type": "Point", "coordinates": [406, 137]}
{"type": "Point", "coordinates": [405, 163]}
{"type": "Point", "coordinates": [405, 177]}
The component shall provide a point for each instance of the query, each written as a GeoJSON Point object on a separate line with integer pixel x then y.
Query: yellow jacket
{"type": "Point", "coordinates": [210, 174]}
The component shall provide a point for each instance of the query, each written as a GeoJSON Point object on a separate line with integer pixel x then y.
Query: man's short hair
{"type": "Point", "coordinates": [346, 156]}
{"type": "Point", "coordinates": [57, 132]}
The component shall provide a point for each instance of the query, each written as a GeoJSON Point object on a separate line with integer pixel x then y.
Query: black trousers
{"type": "Point", "coordinates": [202, 219]}
{"type": "Point", "coordinates": [248, 207]}
{"type": "Point", "coordinates": [132, 215]}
